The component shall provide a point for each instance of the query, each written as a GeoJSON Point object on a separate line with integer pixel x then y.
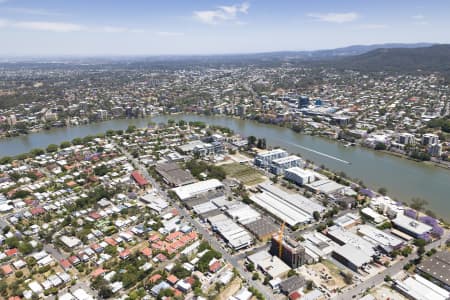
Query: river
{"type": "Point", "coordinates": [404, 179]}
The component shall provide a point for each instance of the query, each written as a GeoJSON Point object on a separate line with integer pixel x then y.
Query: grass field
{"type": "Point", "coordinates": [244, 173]}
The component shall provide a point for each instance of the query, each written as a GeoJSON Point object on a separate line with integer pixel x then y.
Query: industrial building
{"type": "Point", "coordinates": [373, 216]}
{"type": "Point", "coordinates": [345, 237]}
{"type": "Point", "coordinates": [299, 176]}
{"type": "Point", "coordinates": [243, 214]}
{"type": "Point", "coordinates": [326, 186]}
{"type": "Point", "coordinates": [418, 288]}
{"type": "Point", "coordinates": [279, 165]}
{"type": "Point", "coordinates": [410, 226]}
{"type": "Point", "coordinates": [383, 241]}
{"type": "Point", "coordinates": [292, 252]}
{"type": "Point", "coordinates": [174, 175]}
{"type": "Point", "coordinates": [291, 208]}
{"type": "Point", "coordinates": [351, 256]}
{"type": "Point", "coordinates": [262, 228]}
{"type": "Point", "coordinates": [317, 245]}
{"type": "Point", "coordinates": [263, 160]}
{"type": "Point", "coordinates": [155, 202]}
{"type": "Point", "coordinates": [192, 190]}
{"type": "Point", "coordinates": [234, 235]}
{"type": "Point", "coordinates": [437, 268]}
{"type": "Point", "coordinates": [268, 264]}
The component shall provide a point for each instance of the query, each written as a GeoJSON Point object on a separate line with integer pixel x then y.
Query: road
{"type": "Point", "coordinates": [201, 230]}
{"type": "Point", "coordinates": [391, 271]}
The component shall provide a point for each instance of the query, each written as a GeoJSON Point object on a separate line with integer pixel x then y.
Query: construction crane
{"type": "Point", "coordinates": [280, 240]}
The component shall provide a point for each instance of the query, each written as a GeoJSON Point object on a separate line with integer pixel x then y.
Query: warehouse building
{"type": "Point", "coordinates": [234, 235]}
{"type": "Point", "coordinates": [174, 175]}
{"type": "Point", "coordinates": [268, 264]}
{"type": "Point", "coordinates": [351, 256]}
{"type": "Point", "coordinates": [418, 288]}
{"type": "Point", "coordinates": [410, 226]}
{"type": "Point", "coordinates": [192, 190]}
{"type": "Point", "coordinates": [291, 208]}
{"type": "Point", "coordinates": [437, 268]}
{"type": "Point", "coordinates": [243, 214]}
{"type": "Point", "coordinates": [299, 176]}
{"type": "Point", "coordinates": [345, 237]}
{"type": "Point", "coordinates": [279, 165]}
{"type": "Point", "coordinates": [373, 216]}
{"type": "Point", "coordinates": [263, 160]}
{"type": "Point", "coordinates": [155, 202]}
{"type": "Point", "coordinates": [383, 241]}
{"type": "Point", "coordinates": [262, 228]}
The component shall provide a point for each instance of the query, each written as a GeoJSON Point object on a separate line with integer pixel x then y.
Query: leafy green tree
{"type": "Point", "coordinates": [52, 148]}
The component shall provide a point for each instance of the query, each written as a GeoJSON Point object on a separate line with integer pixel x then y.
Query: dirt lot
{"type": "Point", "coordinates": [385, 292]}
{"type": "Point", "coordinates": [230, 290]}
{"type": "Point", "coordinates": [244, 173]}
{"type": "Point", "coordinates": [325, 274]}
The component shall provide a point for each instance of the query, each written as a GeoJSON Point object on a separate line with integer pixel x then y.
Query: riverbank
{"type": "Point", "coordinates": [404, 179]}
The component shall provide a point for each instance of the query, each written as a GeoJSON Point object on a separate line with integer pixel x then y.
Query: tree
{"type": "Point", "coordinates": [418, 203]}
{"type": "Point", "coordinates": [380, 146]}
{"type": "Point", "coordinates": [316, 215]}
{"type": "Point", "coordinates": [52, 148]}
{"type": "Point", "coordinates": [251, 267]}
{"type": "Point", "coordinates": [291, 273]}
{"type": "Point", "coordinates": [255, 276]}
{"type": "Point", "coordinates": [382, 191]}
{"type": "Point", "coordinates": [348, 277]}
{"type": "Point", "coordinates": [65, 144]}
{"type": "Point", "coordinates": [251, 140]}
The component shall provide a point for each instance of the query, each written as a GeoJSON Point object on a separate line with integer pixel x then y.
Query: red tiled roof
{"type": "Point", "coordinates": [295, 295]}
{"type": "Point", "coordinates": [137, 176]}
{"type": "Point", "coordinates": [7, 269]}
{"type": "Point", "coordinates": [154, 278]}
{"type": "Point", "coordinates": [147, 251]}
{"type": "Point", "coordinates": [37, 211]}
{"type": "Point", "coordinates": [97, 272]}
{"type": "Point", "coordinates": [11, 252]}
{"type": "Point", "coordinates": [172, 279]}
{"type": "Point", "coordinates": [65, 263]}
{"type": "Point", "coordinates": [125, 253]}
{"type": "Point", "coordinates": [215, 266]}
{"type": "Point", "coordinates": [111, 241]}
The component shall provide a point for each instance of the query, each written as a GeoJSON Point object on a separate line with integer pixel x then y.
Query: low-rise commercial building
{"type": "Point", "coordinates": [195, 189]}
{"type": "Point", "coordinates": [410, 226]}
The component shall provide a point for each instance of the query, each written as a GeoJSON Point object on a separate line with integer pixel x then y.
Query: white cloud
{"type": "Point", "coordinates": [169, 33]}
{"type": "Point", "coordinates": [338, 18]}
{"type": "Point", "coordinates": [374, 26]}
{"type": "Point", "coordinates": [3, 23]}
{"type": "Point", "coordinates": [222, 13]}
{"type": "Point", "coordinates": [418, 17]}
{"type": "Point", "coordinates": [32, 11]}
{"type": "Point", "coordinates": [63, 27]}
{"type": "Point", "coordinates": [49, 26]}
{"type": "Point", "coordinates": [113, 29]}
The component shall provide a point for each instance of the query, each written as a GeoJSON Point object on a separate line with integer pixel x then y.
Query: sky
{"type": "Point", "coordinates": [177, 27]}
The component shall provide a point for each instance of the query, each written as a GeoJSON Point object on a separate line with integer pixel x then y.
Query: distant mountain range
{"type": "Point", "coordinates": [431, 58]}
{"type": "Point", "coordinates": [426, 57]}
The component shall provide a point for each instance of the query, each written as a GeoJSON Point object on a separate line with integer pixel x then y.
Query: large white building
{"type": "Point", "coordinates": [235, 236]}
{"type": "Point", "coordinates": [418, 288]}
{"type": "Point", "coordinates": [299, 176]}
{"type": "Point", "coordinates": [291, 208]}
{"type": "Point", "coordinates": [430, 139]}
{"type": "Point", "coordinates": [279, 165]}
{"type": "Point", "coordinates": [264, 159]}
{"type": "Point", "coordinates": [410, 226]}
{"type": "Point", "coordinates": [192, 190]}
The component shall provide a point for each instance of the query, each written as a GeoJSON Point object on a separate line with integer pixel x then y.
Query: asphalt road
{"type": "Point", "coordinates": [201, 230]}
